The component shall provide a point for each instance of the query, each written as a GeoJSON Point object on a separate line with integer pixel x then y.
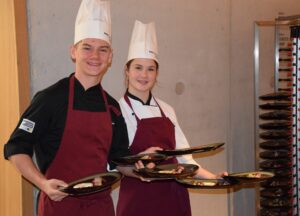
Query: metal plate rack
{"type": "Point", "coordinates": [277, 116]}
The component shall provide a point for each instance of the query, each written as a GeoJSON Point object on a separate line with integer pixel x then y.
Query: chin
{"type": "Point", "coordinates": [95, 73]}
{"type": "Point", "coordinates": [144, 91]}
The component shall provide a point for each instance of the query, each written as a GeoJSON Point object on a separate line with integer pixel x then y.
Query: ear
{"type": "Point", "coordinates": [126, 70]}
{"type": "Point", "coordinates": [73, 52]}
{"type": "Point", "coordinates": [110, 56]}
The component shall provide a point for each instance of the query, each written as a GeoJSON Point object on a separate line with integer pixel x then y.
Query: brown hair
{"type": "Point", "coordinates": [130, 61]}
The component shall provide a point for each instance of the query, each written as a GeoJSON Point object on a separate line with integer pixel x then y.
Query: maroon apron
{"type": "Point", "coordinates": [159, 198]}
{"type": "Point", "coordinates": [82, 152]}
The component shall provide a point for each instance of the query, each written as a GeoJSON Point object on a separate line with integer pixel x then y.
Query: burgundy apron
{"type": "Point", "coordinates": [82, 152]}
{"type": "Point", "coordinates": [159, 198]}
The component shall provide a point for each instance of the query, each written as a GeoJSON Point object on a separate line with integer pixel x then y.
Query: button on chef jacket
{"type": "Point", "coordinates": [48, 111]}
{"type": "Point", "coordinates": [150, 110]}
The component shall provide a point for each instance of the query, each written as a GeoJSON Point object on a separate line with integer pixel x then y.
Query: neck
{"type": "Point", "coordinates": [88, 81]}
{"type": "Point", "coordinates": [143, 96]}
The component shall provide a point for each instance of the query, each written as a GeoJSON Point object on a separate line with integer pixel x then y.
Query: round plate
{"type": "Point", "coordinates": [278, 134]}
{"type": "Point", "coordinates": [281, 172]}
{"type": "Point", "coordinates": [276, 115]}
{"type": "Point", "coordinates": [276, 192]}
{"type": "Point", "coordinates": [285, 211]}
{"type": "Point", "coordinates": [277, 202]}
{"type": "Point", "coordinates": [276, 96]}
{"type": "Point", "coordinates": [250, 177]}
{"type": "Point", "coordinates": [275, 154]}
{"type": "Point", "coordinates": [276, 125]}
{"type": "Point", "coordinates": [276, 106]}
{"type": "Point", "coordinates": [92, 184]}
{"type": "Point", "coordinates": [276, 144]}
{"type": "Point", "coordinates": [277, 182]}
{"type": "Point", "coordinates": [206, 183]}
{"type": "Point", "coordinates": [275, 164]}
{"type": "Point", "coordinates": [192, 150]}
{"type": "Point", "coordinates": [168, 171]}
{"type": "Point", "coordinates": [145, 158]}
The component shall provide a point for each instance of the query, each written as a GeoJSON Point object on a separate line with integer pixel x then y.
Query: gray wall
{"type": "Point", "coordinates": [205, 50]}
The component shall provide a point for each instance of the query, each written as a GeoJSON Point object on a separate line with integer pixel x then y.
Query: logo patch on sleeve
{"type": "Point", "coordinates": [27, 125]}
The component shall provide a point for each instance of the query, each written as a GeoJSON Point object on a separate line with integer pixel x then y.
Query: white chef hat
{"type": "Point", "coordinates": [143, 42]}
{"type": "Point", "coordinates": [93, 21]}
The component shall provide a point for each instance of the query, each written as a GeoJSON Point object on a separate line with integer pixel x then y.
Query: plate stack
{"type": "Point", "coordinates": [276, 154]}
{"type": "Point", "coordinates": [280, 134]}
{"type": "Point", "coordinates": [277, 123]}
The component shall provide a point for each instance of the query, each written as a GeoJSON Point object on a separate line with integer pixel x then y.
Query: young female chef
{"type": "Point", "coordinates": [151, 125]}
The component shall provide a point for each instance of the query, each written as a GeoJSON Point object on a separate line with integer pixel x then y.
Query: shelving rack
{"type": "Point", "coordinates": [278, 148]}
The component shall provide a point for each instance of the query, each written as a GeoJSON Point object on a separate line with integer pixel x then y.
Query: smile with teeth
{"type": "Point", "coordinates": [94, 64]}
{"type": "Point", "coordinates": [143, 82]}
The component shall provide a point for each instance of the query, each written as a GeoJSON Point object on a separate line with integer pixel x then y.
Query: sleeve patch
{"type": "Point", "coordinates": [27, 125]}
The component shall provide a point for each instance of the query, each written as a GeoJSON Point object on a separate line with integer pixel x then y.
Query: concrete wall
{"type": "Point", "coordinates": [206, 72]}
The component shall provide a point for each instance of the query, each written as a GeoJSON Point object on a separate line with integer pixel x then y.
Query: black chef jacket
{"type": "Point", "coordinates": [48, 112]}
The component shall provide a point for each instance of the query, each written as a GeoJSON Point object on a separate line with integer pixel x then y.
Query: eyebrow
{"type": "Point", "coordinates": [104, 46]}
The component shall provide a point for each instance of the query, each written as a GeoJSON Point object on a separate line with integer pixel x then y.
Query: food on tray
{"type": "Point", "coordinates": [254, 175]}
{"type": "Point", "coordinates": [250, 177]}
{"type": "Point", "coordinates": [206, 183]}
{"type": "Point", "coordinates": [146, 157]}
{"type": "Point", "coordinates": [97, 181]}
{"type": "Point", "coordinates": [178, 170]}
{"type": "Point", "coordinates": [83, 185]}
{"type": "Point", "coordinates": [203, 183]}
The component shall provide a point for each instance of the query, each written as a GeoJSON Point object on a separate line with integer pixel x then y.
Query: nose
{"type": "Point", "coordinates": [144, 73]}
{"type": "Point", "coordinates": [95, 54]}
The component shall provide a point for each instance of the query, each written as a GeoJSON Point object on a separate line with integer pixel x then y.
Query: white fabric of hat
{"type": "Point", "coordinates": [143, 42]}
{"type": "Point", "coordinates": [93, 21]}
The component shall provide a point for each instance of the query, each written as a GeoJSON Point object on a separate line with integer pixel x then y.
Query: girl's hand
{"type": "Point", "coordinates": [140, 165]}
{"type": "Point", "coordinates": [221, 175]}
{"type": "Point", "coordinates": [151, 150]}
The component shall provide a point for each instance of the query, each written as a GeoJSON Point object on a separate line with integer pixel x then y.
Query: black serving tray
{"type": "Point", "coordinates": [165, 171]}
{"type": "Point", "coordinates": [192, 150]}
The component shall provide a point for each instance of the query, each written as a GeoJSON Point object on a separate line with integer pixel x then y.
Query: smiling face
{"type": "Point", "coordinates": [92, 58]}
{"type": "Point", "coordinates": [142, 74]}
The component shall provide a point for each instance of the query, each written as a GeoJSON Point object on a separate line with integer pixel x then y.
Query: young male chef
{"type": "Point", "coordinates": [73, 127]}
